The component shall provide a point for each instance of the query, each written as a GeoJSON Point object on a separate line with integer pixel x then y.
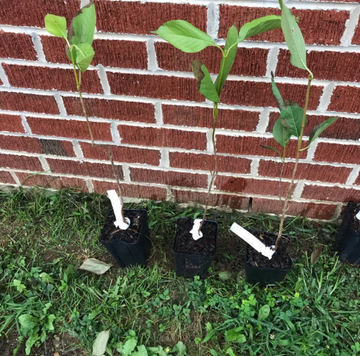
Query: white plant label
{"type": "Point", "coordinates": [117, 208]}
{"type": "Point", "coordinates": [252, 241]}
{"type": "Point", "coordinates": [358, 215]}
{"type": "Point", "coordinates": [195, 232]}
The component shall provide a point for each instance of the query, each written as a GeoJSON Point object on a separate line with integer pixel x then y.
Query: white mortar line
{"type": "Point", "coordinates": [272, 61]}
{"type": "Point", "coordinates": [77, 149]}
{"type": "Point", "coordinates": [254, 168]}
{"type": "Point", "coordinates": [44, 163]}
{"type": "Point", "coordinates": [84, 3]}
{"type": "Point", "coordinates": [4, 79]}
{"type": "Point", "coordinates": [353, 176]}
{"type": "Point", "coordinates": [38, 47]}
{"type": "Point", "coordinates": [213, 20]}
{"type": "Point", "coordinates": [103, 79]}
{"type": "Point", "coordinates": [115, 134]}
{"type": "Point", "coordinates": [263, 121]}
{"type": "Point", "coordinates": [60, 104]}
{"type": "Point", "coordinates": [25, 125]}
{"type": "Point", "coordinates": [169, 195]}
{"type": "Point", "coordinates": [325, 99]}
{"type": "Point", "coordinates": [90, 185]}
{"type": "Point", "coordinates": [126, 173]}
{"type": "Point", "coordinates": [164, 158]}
{"type": "Point", "coordinates": [209, 144]}
{"type": "Point", "coordinates": [311, 150]}
{"type": "Point", "coordinates": [350, 27]}
{"type": "Point", "coordinates": [15, 177]}
{"type": "Point", "coordinates": [298, 189]}
{"type": "Point", "coordinates": [151, 56]}
{"type": "Point", "coordinates": [158, 114]}
{"type": "Point", "coordinates": [337, 211]}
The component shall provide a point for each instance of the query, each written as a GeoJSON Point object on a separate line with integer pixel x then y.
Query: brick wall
{"type": "Point", "coordinates": [143, 100]}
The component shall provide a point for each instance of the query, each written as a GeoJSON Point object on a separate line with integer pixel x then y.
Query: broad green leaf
{"type": "Point", "coordinates": [264, 312]}
{"type": "Point", "coordinates": [180, 349]}
{"type": "Point", "coordinates": [272, 149]}
{"type": "Point", "coordinates": [56, 25]}
{"type": "Point", "coordinates": [184, 36]}
{"type": "Point", "coordinates": [319, 129]}
{"type": "Point", "coordinates": [209, 335]}
{"type": "Point", "coordinates": [259, 26]}
{"type": "Point", "coordinates": [280, 134]}
{"type": "Point", "coordinates": [227, 63]}
{"type": "Point", "coordinates": [33, 338]}
{"type": "Point", "coordinates": [294, 38]}
{"type": "Point", "coordinates": [95, 266]}
{"type": "Point", "coordinates": [213, 352]}
{"type": "Point", "coordinates": [82, 27]}
{"type": "Point", "coordinates": [141, 351]}
{"type": "Point", "coordinates": [46, 278]}
{"type": "Point", "coordinates": [234, 335]}
{"type": "Point", "coordinates": [128, 347]}
{"type": "Point", "coordinates": [84, 54]}
{"type": "Point", "coordinates": [205, 85]}
{"type": "Point", "coordinates": [276, 93]}
{"type": "Point", "coordinates": [99, 346]}
{"type": "Point", "coordinates": [293, 116]}
{"type": "Point", "coordinates": [224, 275]}
{"type": "Point", "coordinates": [230, 352]}
{"type": "Point", "coordinates": [27, 322]}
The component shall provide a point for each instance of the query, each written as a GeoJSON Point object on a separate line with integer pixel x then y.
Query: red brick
{"type": "Point", "coordinates": [239, 120]}
{"type": "Point", "coordinates": [5, 177]}
{"type": "Point", "coordinates": [122, 154]}
{"type": "Point", "coordinates": [310, 210]}
{"type": "Point", "coordinates": [112, 109]}
{"type": "Point", "coordinates": [206, 162]}
{"type": "Point", "coordinates": [111, 53]}
{"type": "Point", "coordinates": [16, 143]}
{"type": "Point", "coordinates": [336, 194]}
{"type": "Point", "coordinates": [345, 99]}
{"type": "Point", "coordinates": [154, 86]}
{"type": "Point", "coordinates": [32, 12]}
{"type": "Point", "coordinates": [78, 168]}
{"type": "Point", "coordinates": [149, 136]}
{"type": "Point", "coordinates": [169, 178]}
{"type": "Point", "coordinates": [51, 78]}
{"type": "Point", "coordinates": [317, 26]}
{"type": "Point", "coordinates": [356, 37]}
{"type": "Point", "coordinates": [325, 65]}
{"type": "Point", "coordinates": [245, 145]}
{"type": "Point", "coordinates": [250, 186]}
{"type": "Point", "coordinates": [305, 171]}
{"type": "Point", "coordinates": [343, 128]}
{"type": "Point", "coordinates": [28, 102]}
{"type": "Point", "coordinates": [357, 182]}
{"type": "Point", "coordinates": [11, 123]}
{"type": "Point", "coordinates": [334, 152]}
{"type": "Point", "coordinates": [52, 181]}
{"type": "Point", "coordinates": [141, 18]}
{"type": "Point", "coordinates": [249, 61]}
{"type": "Point", "coordinates": [17, 45]}
{"type": "Point", "coordinates": [20, 162]}
{"type": "Point", "coordinates": [132, 190]}
{"type": "Point", "coordinates": [217, 200]}
{"type": "Point", "coordinates": [69, 128]}
{"type": "Point", "coordinates": [259, 94]}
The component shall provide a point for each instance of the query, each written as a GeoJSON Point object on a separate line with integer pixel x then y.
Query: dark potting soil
{"type": "Point", "coordinates": [131, 235]}
{"type": "Point", "coordinates": [354, 208]}
{"type": "Point", "coordinates": [280, 259]}
{"type": "Point", "coordinates": [184, 243]}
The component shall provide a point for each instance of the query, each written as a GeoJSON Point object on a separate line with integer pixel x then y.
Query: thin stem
{"type": "Point", "coordinates": [282, 171]}
{"type": "Point", "coordinates": [289, 191]}
{"type": "Point", "coordinates": [105, 147]}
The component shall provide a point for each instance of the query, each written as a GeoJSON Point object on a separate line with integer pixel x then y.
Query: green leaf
{"type": "Point", "coordinates": [224, 275]}
{"type": "Point", "coordinates": [264, 312]}
{"type": "Point", "coordinates": [128, 347]}
{"type": "Point", "coordinates": [276, 93]}
{"type": "Point", "coordinates": [184, 36]}
{"type": "Point", "coordinates": [234, 335]}
{"type": "Point", "coordinates": [30, 342]}
{"type": "Point", "coordinates": [82, 27]}
{"type": "Point", "coordinates": [319, 129]}
{"type": "Point", "coordinates": [272, 149]}
{"type": "Point", "coordinates": [46, 278]}
{"type": "Point", "coordinates": [27, 322]}
{"type": "Point", "coordinates": [84, 54]}
{"type": "Point", "coordinates": [99, 346]}
{"type": "Point", "coordinates": [209, 335]}
{"type": "Point", "coordinates": [56, 25]}
{"type": "Point", "coordinates": [230, 352]}
{"type": "Point", "coordinates": [227, 63]}
{"type": "Point", "coordinates": [293, 116]}
{"type": "Point", "coordinates": [294, 38]}
{"type": "Point", "coordinates": [180, 348]}
{"type": "Point", "coordinates": [205, 85]}
{"type": "Point", "coordinates": [259, 26]}
{"type": "Point", "coordinates": [141, 351]}
{"type": "Point", "coordinates": [280, 134]}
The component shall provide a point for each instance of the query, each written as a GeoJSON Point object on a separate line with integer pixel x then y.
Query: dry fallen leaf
{"type": "Point", "coordinates": [315, 256]}
{"type": "Point", "coordinates": [95, 266]}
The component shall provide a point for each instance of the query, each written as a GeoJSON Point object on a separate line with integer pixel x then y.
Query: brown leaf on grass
{"type": "Point", "coordinates": [315, 256]}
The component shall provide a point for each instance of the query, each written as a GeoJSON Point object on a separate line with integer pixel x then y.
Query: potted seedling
{"type": "Point", "coordinates": [348, 239]}
{"type": "Point", "coordinates": [195, 240]}
{"type": "Point", "coordinates": [267, 261]}
{"type": "Point", "coordinates": [125, 233]}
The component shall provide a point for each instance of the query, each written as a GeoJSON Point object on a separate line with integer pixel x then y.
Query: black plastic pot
{"type": "Point", "coordinates": [191, 265]}
{"type": "Point", "coordinates": [348, 240]}
{"type": "Point", "coordinates": [125, 253]}
{"type": "Point", "coordinates": [264, 275]}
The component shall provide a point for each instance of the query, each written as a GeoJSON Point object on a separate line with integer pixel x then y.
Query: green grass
{"type": "Point", "coordinates": [45, 236]}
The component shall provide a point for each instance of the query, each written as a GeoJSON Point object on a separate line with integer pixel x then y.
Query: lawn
{"type": "Point", "coordinates": [45, 300]}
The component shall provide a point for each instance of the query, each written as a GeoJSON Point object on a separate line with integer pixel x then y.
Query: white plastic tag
{"type": "Point", "coordinates": [358, 215]}
{"type": "Point", "coordinates": [195, 232]}
{"type": "Point", "coordinates": [252, 241]}
{"type": "Point", "coordinates": [117, 207]}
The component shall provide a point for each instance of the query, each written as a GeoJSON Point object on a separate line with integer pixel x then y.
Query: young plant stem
{"type": "Point", "coordinates": [282, 171]}
{"type": "Point", "coordinates": [289, 191]}
{"type": "Point", "coordinates": [105, 147]}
